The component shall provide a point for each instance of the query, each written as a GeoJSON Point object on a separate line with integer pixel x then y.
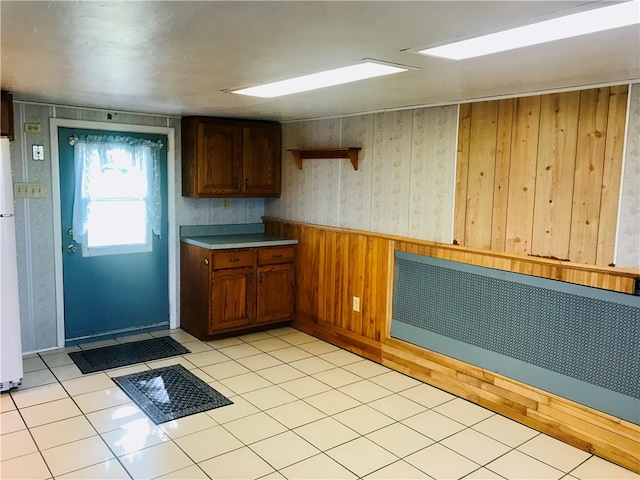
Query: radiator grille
{"type": "Point", "coordinates": [580, 332]}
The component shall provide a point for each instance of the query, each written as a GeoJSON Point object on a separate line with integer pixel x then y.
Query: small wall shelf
{"type": "Point", "coordinates": [300, 154]}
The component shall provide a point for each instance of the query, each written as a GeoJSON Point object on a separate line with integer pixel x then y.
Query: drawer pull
{"type": "Point", "coordinates": [276, 256]}
{"type": "Point", "coordinates": [234, 260]}
{"type": "Point", "coordinates": [206, 261]}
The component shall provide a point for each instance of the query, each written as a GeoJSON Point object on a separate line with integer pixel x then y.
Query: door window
{"type": "Point", "coordinates": [116, 198]}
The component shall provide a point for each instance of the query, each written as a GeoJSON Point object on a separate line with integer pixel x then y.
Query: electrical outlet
{"type": "Point", "coordinates": [356, 304]}
{"type": "Point", "coordinates": [37, 152]}
{"type": "Point", "coordinates": [32, 128]}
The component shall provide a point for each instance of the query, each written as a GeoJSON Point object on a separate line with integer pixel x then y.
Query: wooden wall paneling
{"type": "Point", "coordinates": [335, 290]}
{"type": "Point", "coordinates": [585, 215]}
{"type": "Point", "coordinates": [481, 173]}
{"type": "Point", "coordinates": [321, 239]}
{"type": "Point", "coordinates": [307, 267]}
{"type": "Point", "coordinates": [501, 181]}
{"type": "Point", "coordinates": [341, 298]}
{"type": "Point", "coordinates": [462, 172]}
{"type": "Point", "coordinates": [322, 252]}
{"type": "Point", "coordinates": [356, 273]}
{"type": "Point", "coordinates": [555, 174]}
{"type": "Point", "coordinates": [522, 174]}
{"type": "Point", "coordinates": [328, 291]}
{"type": "Point", "coordinates": [372, 293]}
{"type": "Point", "coordinates": [616, 124]}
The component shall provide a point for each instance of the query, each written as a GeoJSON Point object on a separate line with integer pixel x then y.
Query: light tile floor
{"type": "Point", "coordinates": [303, 408]}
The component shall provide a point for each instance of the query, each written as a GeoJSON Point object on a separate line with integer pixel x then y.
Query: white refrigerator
{"type": "Point", "coordinates": [10, 341]}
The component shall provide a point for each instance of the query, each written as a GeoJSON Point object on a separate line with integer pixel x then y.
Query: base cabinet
{"type": "Point", "coordinates": [232, 290]}
{"type": "Point", "coordinates": [274, 293]}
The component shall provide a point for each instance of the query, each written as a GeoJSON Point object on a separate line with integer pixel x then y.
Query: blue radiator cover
{"type": "Point", "coordinates": [578, 342]}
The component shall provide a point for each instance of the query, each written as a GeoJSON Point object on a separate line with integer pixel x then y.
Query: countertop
{"type": "Point", "coordinates": [220, 237]}
{"type": "Point", "coordinates": [247, 240]}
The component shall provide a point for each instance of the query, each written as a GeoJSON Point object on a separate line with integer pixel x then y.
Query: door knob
{"type": "Point", "coordinates": [72, 249]}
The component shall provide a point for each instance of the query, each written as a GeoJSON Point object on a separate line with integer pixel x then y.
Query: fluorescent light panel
{"type": "Point", "coordinates": [328, 78]}
{"type": "Point", "coordinates": [596, 20]}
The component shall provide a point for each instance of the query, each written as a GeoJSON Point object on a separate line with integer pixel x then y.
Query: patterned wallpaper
{"type": "Point", "coordinates": [628, 241]}
{"type": "Point", "coordinates": [405, 178]}
{"type": "Point", "coordinates": [34, 217]}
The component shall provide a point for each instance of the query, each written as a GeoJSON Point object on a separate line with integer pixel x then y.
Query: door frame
{"type": "Point", "coordinates": [54, 123]}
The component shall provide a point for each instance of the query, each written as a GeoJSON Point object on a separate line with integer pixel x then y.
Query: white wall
{"type": "Point", "coordinates": [628, 240]}
{"type": "Point", "coordinates": [34, 217]}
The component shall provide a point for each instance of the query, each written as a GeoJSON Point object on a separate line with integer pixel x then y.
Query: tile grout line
{"type": "Point", "coordinates": [92, 426]}
{"type": "Point", "coordinates": [304, 399]}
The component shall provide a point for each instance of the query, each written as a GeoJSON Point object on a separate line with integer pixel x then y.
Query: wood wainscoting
{"type": "Point", "coordinates": [335, 264]}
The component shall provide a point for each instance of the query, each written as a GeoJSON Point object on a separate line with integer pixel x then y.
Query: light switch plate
{"type": "Point", "coordinates": [28, 190]}
{"type": "Point", "coordinates": [32, 128]}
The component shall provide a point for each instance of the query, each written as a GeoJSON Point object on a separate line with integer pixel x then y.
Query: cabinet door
{"type": "Point", "coordinates": [195, 289]}
{"type": "Point", "coordinates": [6, 117]}
{"type": "Point", "coordinates": [232, 300]}
{"type": "Point", "coordinates": [219, 159]}
{"type": "Point", "coordinates": [275, 293]}
{"type": "Point", "coordinates": [262, 160]}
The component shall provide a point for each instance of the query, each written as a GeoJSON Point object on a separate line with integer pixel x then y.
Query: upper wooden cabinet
{"type": "Point", "coordinates": [6, 122]}
{"type": "Point", "coordinates": [230, 158]}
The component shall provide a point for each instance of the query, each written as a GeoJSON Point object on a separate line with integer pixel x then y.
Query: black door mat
{"type": "Point", "coordinates": [171, 392]}
{"type": "Point", "coordinates": [114, 356]}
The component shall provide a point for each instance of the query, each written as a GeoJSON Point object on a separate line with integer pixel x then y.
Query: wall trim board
{"type": "Point", "coordinates": [95, 109]}
{"type": "Point", "coordinates": [609, 278]}
{"type": "Point", "coordinates": [57, 226]}
{"type": "Point", "coordinates": [593, 431]}
{"type": "Point", "coordinates": [474, 100]}
{"type": "Point", "coordinates": [357, 344]}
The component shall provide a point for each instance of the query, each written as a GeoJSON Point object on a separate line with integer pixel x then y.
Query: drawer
{"type": "Point", "coordinates": [267, 256]}
{"type": "Point", "coordinates": [233, 259]}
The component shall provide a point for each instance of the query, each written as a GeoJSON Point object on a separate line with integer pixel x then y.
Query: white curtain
{"type": "Point", "coordinates": [95, 155]}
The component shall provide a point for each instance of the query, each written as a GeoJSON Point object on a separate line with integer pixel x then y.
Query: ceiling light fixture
{"type": "Point", "coordinates": [590, 21]}
{"type": "Point", "coordinates": [328, 78]}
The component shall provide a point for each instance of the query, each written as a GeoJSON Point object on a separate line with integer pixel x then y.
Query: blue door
{"type": "Point", "coordinates": [115, 277]}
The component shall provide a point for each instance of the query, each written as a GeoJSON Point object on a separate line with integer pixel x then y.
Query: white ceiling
{"type": "Point", "coordinates": [176, 58]}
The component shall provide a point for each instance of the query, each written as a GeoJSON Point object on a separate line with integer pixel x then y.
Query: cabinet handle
{"type": "Point", "coordinates": [206, 261]}
{"type": "Point", "coordinates": [234, 260]}
{"type": "Point", "coordinates": [276, 256]}
{"type": "Point", "coordinates": [261, 277]}
{"type": "Point", "coordinates": [246, 183]}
